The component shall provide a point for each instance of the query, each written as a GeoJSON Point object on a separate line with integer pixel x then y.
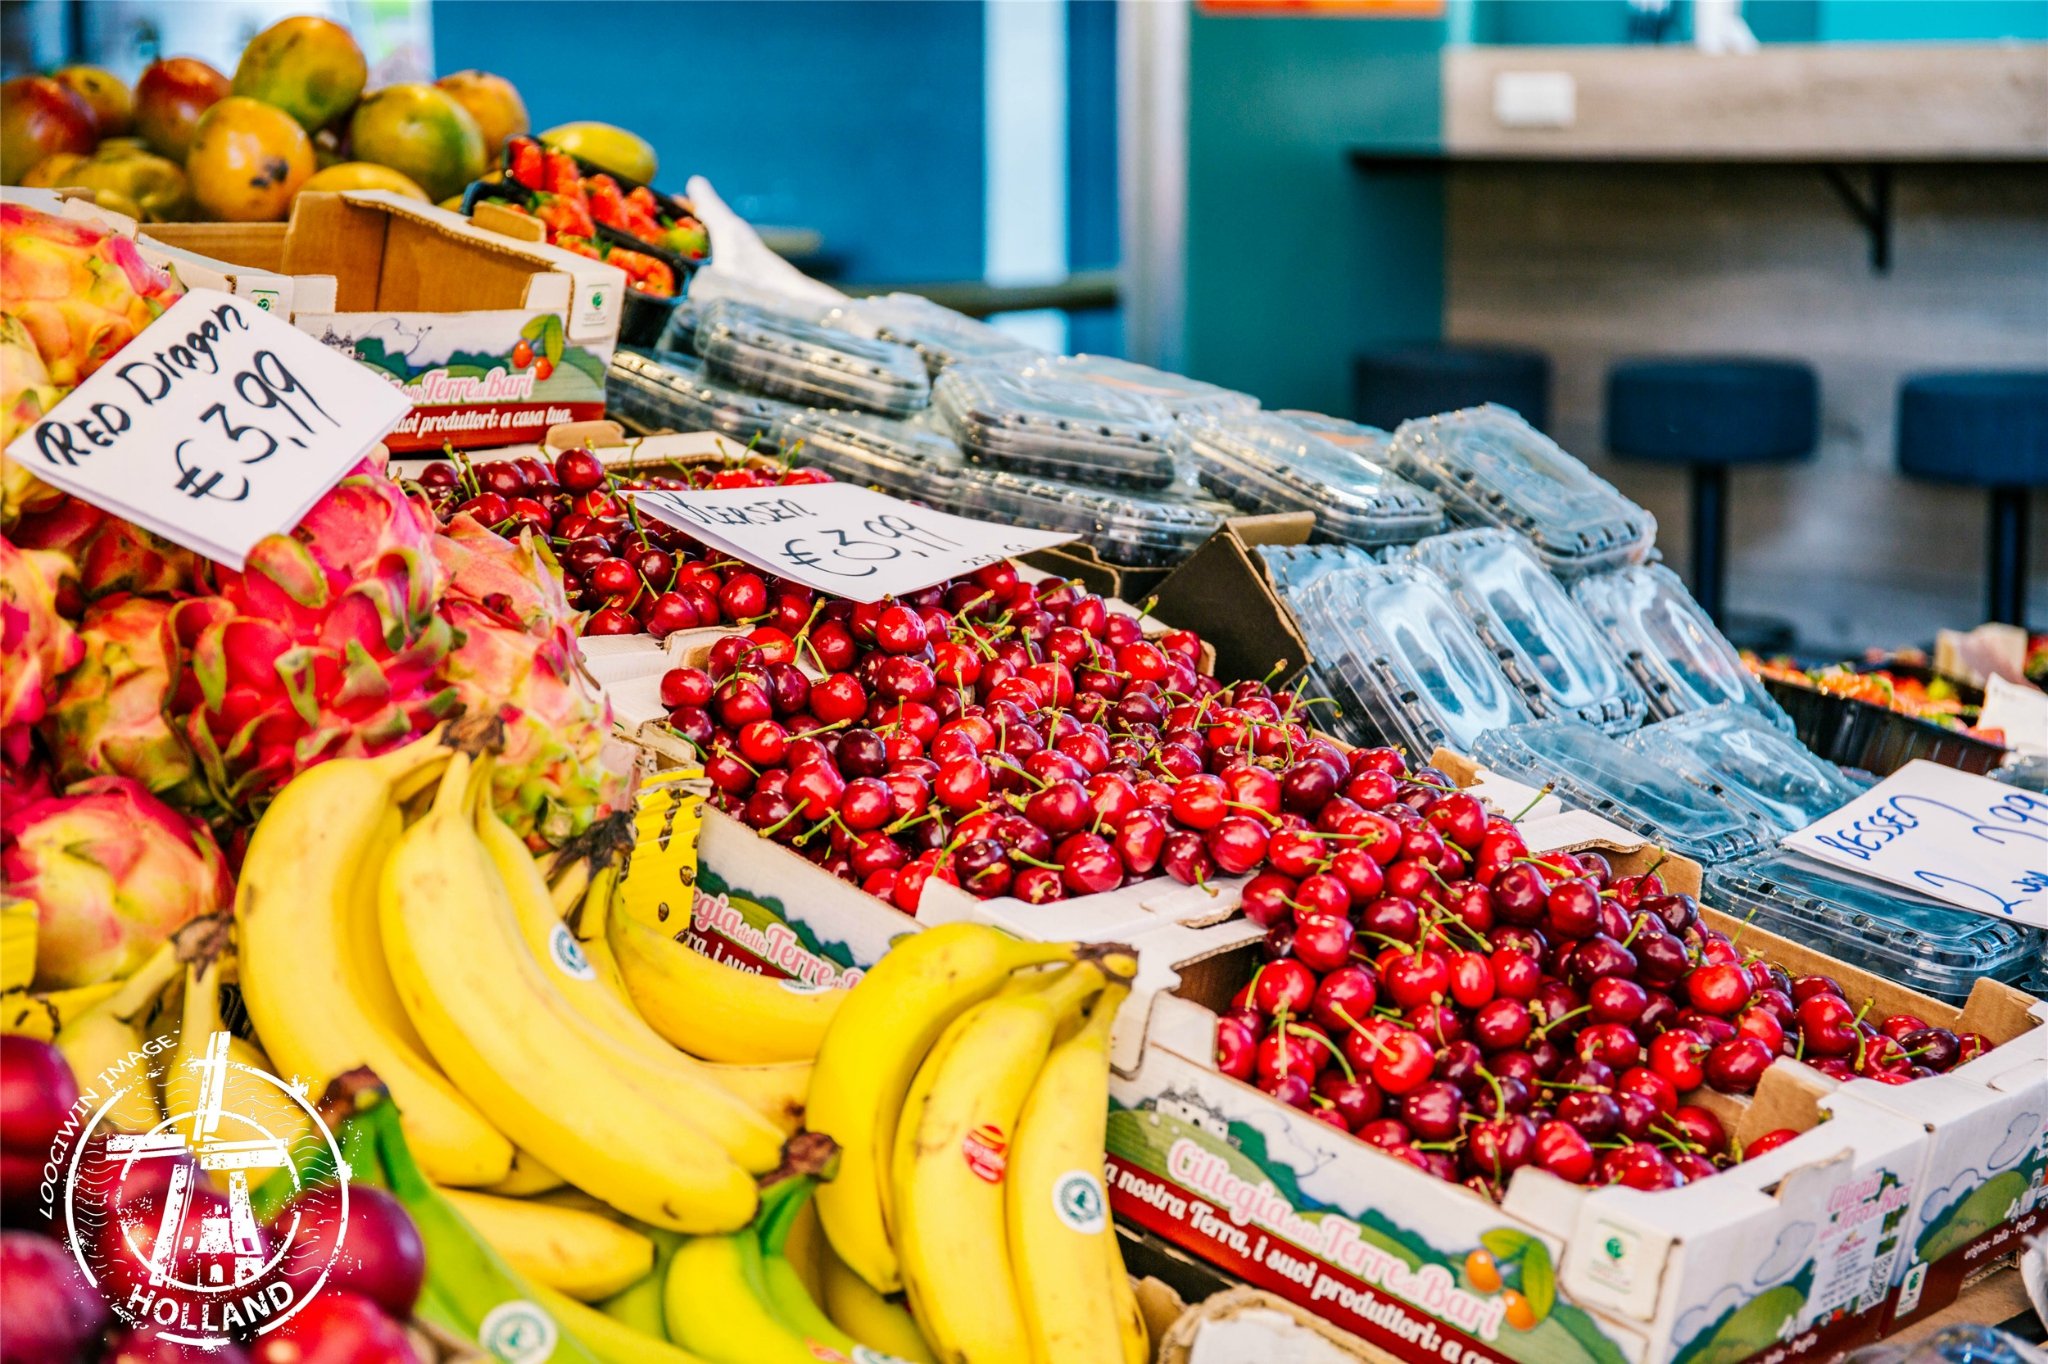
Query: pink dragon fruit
{"type": "Point", "coordinates": [112, 871]}
{"type": "Point", "coordinates": [113, 555]}
{"type": "Point", "coordinates": [107, 718]}
{"type": "Point", "coordinates": [519, 582]}
{"type": "Point", "coordinates": [36, 640]}
{"type": "Point", "coordinates": [81, 292]}
{"type": "Point", "coordinates": [325, 645]}
{"type": "Point", "coordinates": [559, 770]}
{"type": "Point", "coordinates": [26, 393]}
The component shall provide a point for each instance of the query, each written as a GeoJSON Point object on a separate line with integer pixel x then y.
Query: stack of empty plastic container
{"type": "Point", "coordinates": [789, 356]}
{"type": "Point", "coordinates": [1176, 393]}
{"type": "Point", "coordinates": [1717, 789]}
{"type": "Point", "coordinates": [1260, 462]}
{"type": "Point", "coordinates": [1491, 468]}
{"type": "Point", "coordinates": [942, 336]}
{"type": "Point", "coordinates": [663, 391]}
{"type": "Point", "coordinates": [1401, 661]}
{"type": "Point", "coordinates": [1047, 426]}
{"type": "Point", "coordinates": [1130, 529]}
{"type": "Point", "coordinates": [1543, 640]}
{"type": "Point", "coordinates": [907, 459]}
{"type": "Point", "coordinates": [1681, 661]}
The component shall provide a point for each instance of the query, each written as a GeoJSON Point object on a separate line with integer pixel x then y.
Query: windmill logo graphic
{"type": "Point", "coordinates": [189, 1256]}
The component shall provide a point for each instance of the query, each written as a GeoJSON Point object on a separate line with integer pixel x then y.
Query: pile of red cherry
{"type": "Point", "coordinates": [630, 574]}
{"type": "Point", "coordinates": [1471, 1009]}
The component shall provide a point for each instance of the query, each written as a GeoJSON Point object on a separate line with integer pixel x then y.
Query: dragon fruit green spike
{"type": "Point", "coordinates": [559, 771]}
{"type": "Point", "coordinates": [107, 718]}
{"type": "Point", "coordinates": [37, 642]}
{"type": "Point", "coordinates": [81, 292]}
{"type": "Point", "coordinates": [26, 393]}
{"type": "Point", "coordinates": [113, 871]}
{"type": "Point", "coordinates": [325, 645]}
{"type": "Point", "coordinates": [113, 555]}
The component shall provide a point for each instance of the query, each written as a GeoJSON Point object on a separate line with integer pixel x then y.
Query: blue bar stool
{"type": "Point", "coordinates": [1987, 429]}
{"type": "Point", "coordinates": [1390, 384]}
{"type": "Point", "coordinates": [1711, 414]}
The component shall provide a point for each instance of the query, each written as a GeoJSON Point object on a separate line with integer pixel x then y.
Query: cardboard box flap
{"type": "Point", "coordinates": [1225, 583]}
{"type": "Point", "coordinates": [391, 254]}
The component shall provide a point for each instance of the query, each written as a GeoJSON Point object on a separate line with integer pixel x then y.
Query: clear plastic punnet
{"type": "Point", "coordinates": [1130, 529]}
{"type": "Point", "coordinates": [906, 459]}
{"type": "Point", "coordinates": [1595, 773]}
{"type": "Point", "coordinates": [1176, 393]}
{"type": "Point", "coordinates": [1259, 462]}
{"type": "Point", "coordinates": [1920, 943]}
{"type": "Point", "coordinates": [1543, 640]}
{"type": "Point", "coordinates": [1404, 665]}
{"type": "Point", "coordinates": [1682, 662]}
{"type": "Point", "coordinates": [1296, 566]}
{"type": "Point", "coordinates": [1732, 750]}
{"type": "Point", "coordinates": [1047, 426]}
{"type": "Point", "coordinates": [662, 391]}
{"type": "Point", "coordinates": [942, 336]}
{"type": "Point", "coordinates": [1491, 468]}
{"type": "Point", "coordinates": [787, 356]}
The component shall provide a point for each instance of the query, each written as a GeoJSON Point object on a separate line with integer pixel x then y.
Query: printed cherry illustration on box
{"type": "Point", "coordinates": [1518, 1267]}
{"type": "Point", "coordinates": [522, 355]}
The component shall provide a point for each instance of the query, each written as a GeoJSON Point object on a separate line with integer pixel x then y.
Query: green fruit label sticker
{"type": "Point", "coordinates": [568, 954]}
{"type": "Point", "coordinates": [1078, 1200]}
{"type": "Point", "coordinates": [518, 1332]}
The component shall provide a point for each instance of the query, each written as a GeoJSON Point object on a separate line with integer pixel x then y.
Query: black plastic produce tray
{"type": "Point", "coordinates": [1858, 734]}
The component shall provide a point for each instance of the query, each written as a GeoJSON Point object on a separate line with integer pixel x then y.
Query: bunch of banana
{"type": "Point", "coordinates": [105, 1040]}
{"type": "Point", "coordinates": [966, 1079]}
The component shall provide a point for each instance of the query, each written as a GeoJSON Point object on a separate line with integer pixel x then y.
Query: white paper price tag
{"type": "Point", "coordinates": [217, 425]}
{"type": "Point", "coordinates": [1966, 840]}
{"type": "Point", "coordinates": [841, 538]}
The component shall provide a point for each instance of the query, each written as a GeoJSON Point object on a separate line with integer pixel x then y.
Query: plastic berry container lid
{"type": "Point", "coordinates": [793, 357]}
{"type": "Point", "coordinates": [1918, 942]}
{"type": "Point", "coordinates": [1680, 660]}
{"type": "Point", "coordinates": [1293, 567]}
{"type": "Point", "coordinates": [667, 392]}
{"type": "Point", "coordinates": [1404, 665]}
{"type": "Point", "coordinates": [1263, 463]}
{"type": "Point", "coordinates": [1731, 750]}
{"type": "Point", "coordinates": [1053, 427]}
{"type": "Point", "coordinates": [1174, 392]}
{"type": "Point", "coordinates": [1492, 468]}
{"type": "Point", "coordinates": [904, 458]}
{"type": "Point", "coordinates": [1133, 530]}
{"type": "Point", "coordinates": [942, 336]}
{"type": "Point", "coordinates": [1592, 771]}
{"type": "Point", "coordinates": [1543, 639]}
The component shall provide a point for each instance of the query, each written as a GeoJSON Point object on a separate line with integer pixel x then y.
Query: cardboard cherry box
{"type": "Point", "coordinates": [1797, 1250]}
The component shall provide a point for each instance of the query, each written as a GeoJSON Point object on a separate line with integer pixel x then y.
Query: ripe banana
{"type": "Point", "coordinates": [952, 1151]}
{"type": "Point", "coordinates": [880, 1323]}
{"type": "Point", "coordinates": [41, 1016]}
{"type": "Point", "coordinates": [19, 929]}
{"type": "Point", "coordinates": [581, 1254]}
{"type": "Point", "coordinates": [638, 1305]}
{"type": "Point", "coordinates": [527, 1177]}
{"type": "Point", "coordinates": [1132, 1331]}
{"type": "Point", "coordinates": [801, 1246]}
{"type": "Point", "coordinates": [612, 1341]}
{"type": "Point", "coordinates": [105, 1044]}
{"type": "Point", "coordinates": [1057, 1211]}
{"type": "Point", "coordinates": [317, 998]}
{"type": "Point", "coordinates": [718, 1012]}
{"type": "Point", "coordinates": [247, 1096]}
{"type": "Point", "coordinates": [470, 1289]}
{"type": "Point", "coordinates": [870, 1053]}
{"type": "Point", "coordinates": [503, 1033]}
{"type": "Point", "coordinates": [747, 1136]}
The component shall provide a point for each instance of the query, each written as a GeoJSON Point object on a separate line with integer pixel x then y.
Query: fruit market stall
{"type": "Point", "coordinates": [791, 828]}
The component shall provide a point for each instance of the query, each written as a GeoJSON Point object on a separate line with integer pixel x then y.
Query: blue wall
{"type": "Point", "coordinates": [864, 121]}
{"type": "Point", "coordinates": [1540, 22]}
{"type": "Point", "coordinates": [1294, 259]}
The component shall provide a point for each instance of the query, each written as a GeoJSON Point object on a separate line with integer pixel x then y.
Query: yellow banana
{"type": "Point", "coordinates": [612, 1341]}
{"type": "Point", "coordinates": [733, 1122]}
{"type": "Point", "coordinates": [871, 1052]}
{"type": "Point", "coordinates": [801, 1248]}
{"type": "Point", "coordinates": [638, 1305]}
{"type": "Point", "coordinates": [302, 907]}
{"type": "Point", "coordinates": [713, 1309]}
{"type": "Point", "coordinates": [41, 1015]}
{"type": "Point", "coordinates": [105, 1043]}
{"type": "Point", "coordinates": [581, 1254]}
{"type": "Point", "coordinates": [18, 933]}
{"type": "Point", "coordinates": [875, 1321]}
{"type": "Point", "coordinates": [717, 1012]}
{"type": "Point", "coordinates": [528, 1177]}
{"type": "Point", "coordinates": [502, 1032]}
{"type": "Point", "coordinates": [1132, 1332]}
{"type": "Point", "coordinates": [952, 1150]}
{"type": "Point", "coordinates": [1056, 1208]}
{"type": "Point", "coordinates": [256, 1107]}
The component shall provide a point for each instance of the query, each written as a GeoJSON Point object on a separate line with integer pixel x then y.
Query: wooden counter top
{"type": "Point", "coordinates": [1890, 102]}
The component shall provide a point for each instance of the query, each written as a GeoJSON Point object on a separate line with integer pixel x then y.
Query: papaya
{"type": "Point", "coordinates": [422, 132]}
{"type": "Point", "coordinates": [247, 160]}
{"type": "Point", "coordinates": [309, 67]}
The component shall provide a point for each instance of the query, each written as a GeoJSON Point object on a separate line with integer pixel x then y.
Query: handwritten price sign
{"type": "Point", "coordinates": [1966, 840]}
{"type": "Point", "coordinates": [217, 425]}
{"type": "Point", "coordinates": [841, 538]}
